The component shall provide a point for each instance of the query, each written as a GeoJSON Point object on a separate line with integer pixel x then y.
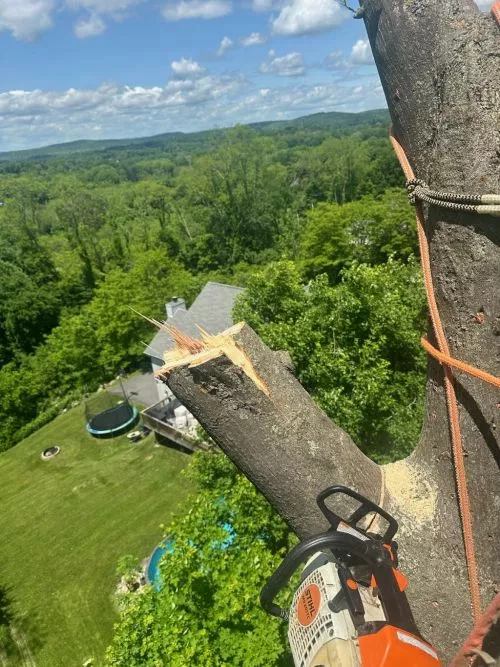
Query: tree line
{"type": "Point", "coordinates": [82, 238]}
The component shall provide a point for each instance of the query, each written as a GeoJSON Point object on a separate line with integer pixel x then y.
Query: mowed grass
{"type": "Point", "coordinates": [65, 523]}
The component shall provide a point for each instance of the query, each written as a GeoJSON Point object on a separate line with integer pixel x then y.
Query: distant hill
{"type": "Point", "coordinates": [88, 146]}
{"type": "Point", "coordinates": [334, 121]}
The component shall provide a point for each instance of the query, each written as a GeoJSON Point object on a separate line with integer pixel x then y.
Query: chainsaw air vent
{"type": "Point", "coordinates": [322, 625]}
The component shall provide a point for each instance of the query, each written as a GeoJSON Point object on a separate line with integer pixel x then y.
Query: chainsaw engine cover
{"type": "Point", "coordinates": [318, 635]}
{"type": "Point", "coordinates": [350, 609]}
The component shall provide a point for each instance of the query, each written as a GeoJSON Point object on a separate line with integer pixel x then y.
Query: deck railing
{"type": "Point", "coordinates": [154, 418]}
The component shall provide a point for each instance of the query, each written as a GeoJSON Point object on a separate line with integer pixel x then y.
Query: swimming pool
{"type": "Point", "coordinates": [153, 573]}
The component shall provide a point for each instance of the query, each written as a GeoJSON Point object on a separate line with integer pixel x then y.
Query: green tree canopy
{"type": "Point", "coordinates": [369, 230]}
{"type": "Point", "coordinates": [208, 612]}
{"type": "Point", "coordinates": [239, 194]}
{"type": "Point", "coordinates": [355, 346]}
{"type": "Point", "coordinates": [91, 347]}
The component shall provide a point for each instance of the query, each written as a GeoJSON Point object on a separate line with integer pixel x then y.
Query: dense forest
{"type": "Point", "coordinates": [312, 218]}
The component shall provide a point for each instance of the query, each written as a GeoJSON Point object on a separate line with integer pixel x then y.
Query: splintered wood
{"type": "Point", "coordinates": [179, 338]}
{"type": "Point", "coordinates": [191, 352]}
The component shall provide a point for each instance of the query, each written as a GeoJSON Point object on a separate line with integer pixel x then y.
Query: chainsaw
{"type": "Point", "coordinates": [350, 609]}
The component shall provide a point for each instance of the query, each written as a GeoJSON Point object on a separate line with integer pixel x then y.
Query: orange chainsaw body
{"type": "Point", "coordinates": [392, 647]}
{"type": "Point", "coordinates": [350, 607]}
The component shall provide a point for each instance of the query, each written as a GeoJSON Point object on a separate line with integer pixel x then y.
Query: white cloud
{"type": "Point", "coordinates": [293, 101]}
{"type": "Point", "coordinates": [113, 100]}
{"type": "Point", "coordinates": [37, 117]}
{"type": "Point", "coordinates": [104, 7]}
{"type": "Point", "coordinates": [186, 67]}
{"type": "Point", "coordinates": [361, 53]}
{"type": "Point", "coordinates": [89, 27]}
{"type": "Point", "coordinates": [290, 65]}
{"type": "Point", "coordinates": [254, 39]}
{"type": "Point", "coordinates": [197, 9]}
{"type": "Point", "coordinates": [226, 44]}
{"type": "Point", "coordinates": [302, 17]}
{"type": "Point", "coordinates": [25, 19]}
{"type": "Point", "coordinates": [93, 24]}
{"type": "Point", "coordinates": [265, 5]}
{"type": "Point", "coordinates": [335, 60]}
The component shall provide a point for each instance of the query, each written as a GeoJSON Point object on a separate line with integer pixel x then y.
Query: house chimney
{"type": "Point", "coordinates": [175, 304]}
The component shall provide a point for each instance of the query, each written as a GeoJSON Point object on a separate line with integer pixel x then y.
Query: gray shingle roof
{"type": "Point", "coordinates": [211, 310]}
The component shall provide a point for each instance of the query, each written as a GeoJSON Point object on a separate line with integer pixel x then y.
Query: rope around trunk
{"type": "Point", "coordinates": [475, 642]}
{"type": "Point", "coordinates": [419, 191]}
{"type": "Point", "coordinates": [451, 400]}
{"type": "Point", "coordinates": [460, 365]}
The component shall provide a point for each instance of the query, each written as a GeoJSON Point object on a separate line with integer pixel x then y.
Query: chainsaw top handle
{"type": "Point", "coordinates": [372, 552]}
{"type": "Point", "coordinates": [366, 507]}
{"type": "Point", "coordinates": [336, 542]}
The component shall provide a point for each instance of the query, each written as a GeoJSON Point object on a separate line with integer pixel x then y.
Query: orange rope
{"type": "Point", "coordinates": [454, 418]}
{"type": "Point", "coordinates": [461, 365]}
{"type": "Point", "coordinates": [481, 630]}
{"type": "Point", "coordinates": [495, 10]}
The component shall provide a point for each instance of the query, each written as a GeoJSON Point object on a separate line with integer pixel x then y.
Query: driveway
{"type": "Point", "coordinates": [139, 389]}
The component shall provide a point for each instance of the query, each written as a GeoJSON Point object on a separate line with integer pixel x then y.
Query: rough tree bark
{"type": "Point", "coordinates": [439, 62]}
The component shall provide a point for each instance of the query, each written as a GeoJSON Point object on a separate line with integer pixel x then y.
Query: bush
{"type": "Point", "coordinates": [355, 346]}
{"type": "Point", "coordinates": [208, 611]}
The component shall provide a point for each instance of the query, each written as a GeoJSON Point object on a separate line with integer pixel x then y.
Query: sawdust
{"type": "Point", "coordinates": [413, 493]}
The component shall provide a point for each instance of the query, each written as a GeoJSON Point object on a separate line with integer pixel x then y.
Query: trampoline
{"type": "Point", "coordinates": [109, 415]}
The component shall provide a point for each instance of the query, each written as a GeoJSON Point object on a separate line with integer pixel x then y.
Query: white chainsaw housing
{"type": "Point", "coordinates": [317, 635]}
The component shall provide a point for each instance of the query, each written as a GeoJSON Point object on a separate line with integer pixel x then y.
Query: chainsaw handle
{"type": "Point", "coordinates": [372, 552]}
{"type": "Point", "coordinates": [366, 507]}
{"type": "Point", "coordinates": [332, 541]}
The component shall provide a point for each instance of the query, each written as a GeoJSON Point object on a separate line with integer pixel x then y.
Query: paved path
{"type": "Point", "coordinates": [139, 388]}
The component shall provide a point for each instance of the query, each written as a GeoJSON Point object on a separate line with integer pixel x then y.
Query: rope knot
{"type": "Point", "coordinates": [415, 186]}
{"type": "Point", "coordinates": [419, 191]}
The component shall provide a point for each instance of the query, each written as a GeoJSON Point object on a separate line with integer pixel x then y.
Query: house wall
{"type": "Point", "coordinates": [164, 392]}
{"type": "Point", "coordinates": [161, 388]}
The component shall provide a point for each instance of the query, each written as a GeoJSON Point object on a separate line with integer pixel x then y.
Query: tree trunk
{"type": "Point", "coordinates": [439, 62]}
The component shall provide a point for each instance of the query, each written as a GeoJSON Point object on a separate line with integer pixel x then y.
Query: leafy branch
{"type": "Point", "coordinates": [357, 12]}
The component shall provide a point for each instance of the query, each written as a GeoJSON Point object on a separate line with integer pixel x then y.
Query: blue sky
{"type": "Point", "coordinates": [95, 69]}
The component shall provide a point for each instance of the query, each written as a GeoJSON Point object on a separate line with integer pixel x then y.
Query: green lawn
{"type": "Point", "coordinates": [65, 523]}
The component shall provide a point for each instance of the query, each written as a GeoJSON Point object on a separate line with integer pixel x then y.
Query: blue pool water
{"type": "Point", "coordinates": [230, 536]}
{"type": "Point", "coordinates": [153, 574]}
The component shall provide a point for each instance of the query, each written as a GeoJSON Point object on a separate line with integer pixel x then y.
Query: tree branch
{"type": "Point", "coordinates": [259, 414]}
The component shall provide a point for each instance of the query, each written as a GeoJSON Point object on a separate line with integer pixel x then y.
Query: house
{"type": "Point", "coordinates": [212, 311]}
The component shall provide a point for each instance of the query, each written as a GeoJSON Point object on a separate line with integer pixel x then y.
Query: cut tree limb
{"type": "Point", "coordinates": [250, 403]}
{"type": "Point", "coordinates": [246, 397]}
